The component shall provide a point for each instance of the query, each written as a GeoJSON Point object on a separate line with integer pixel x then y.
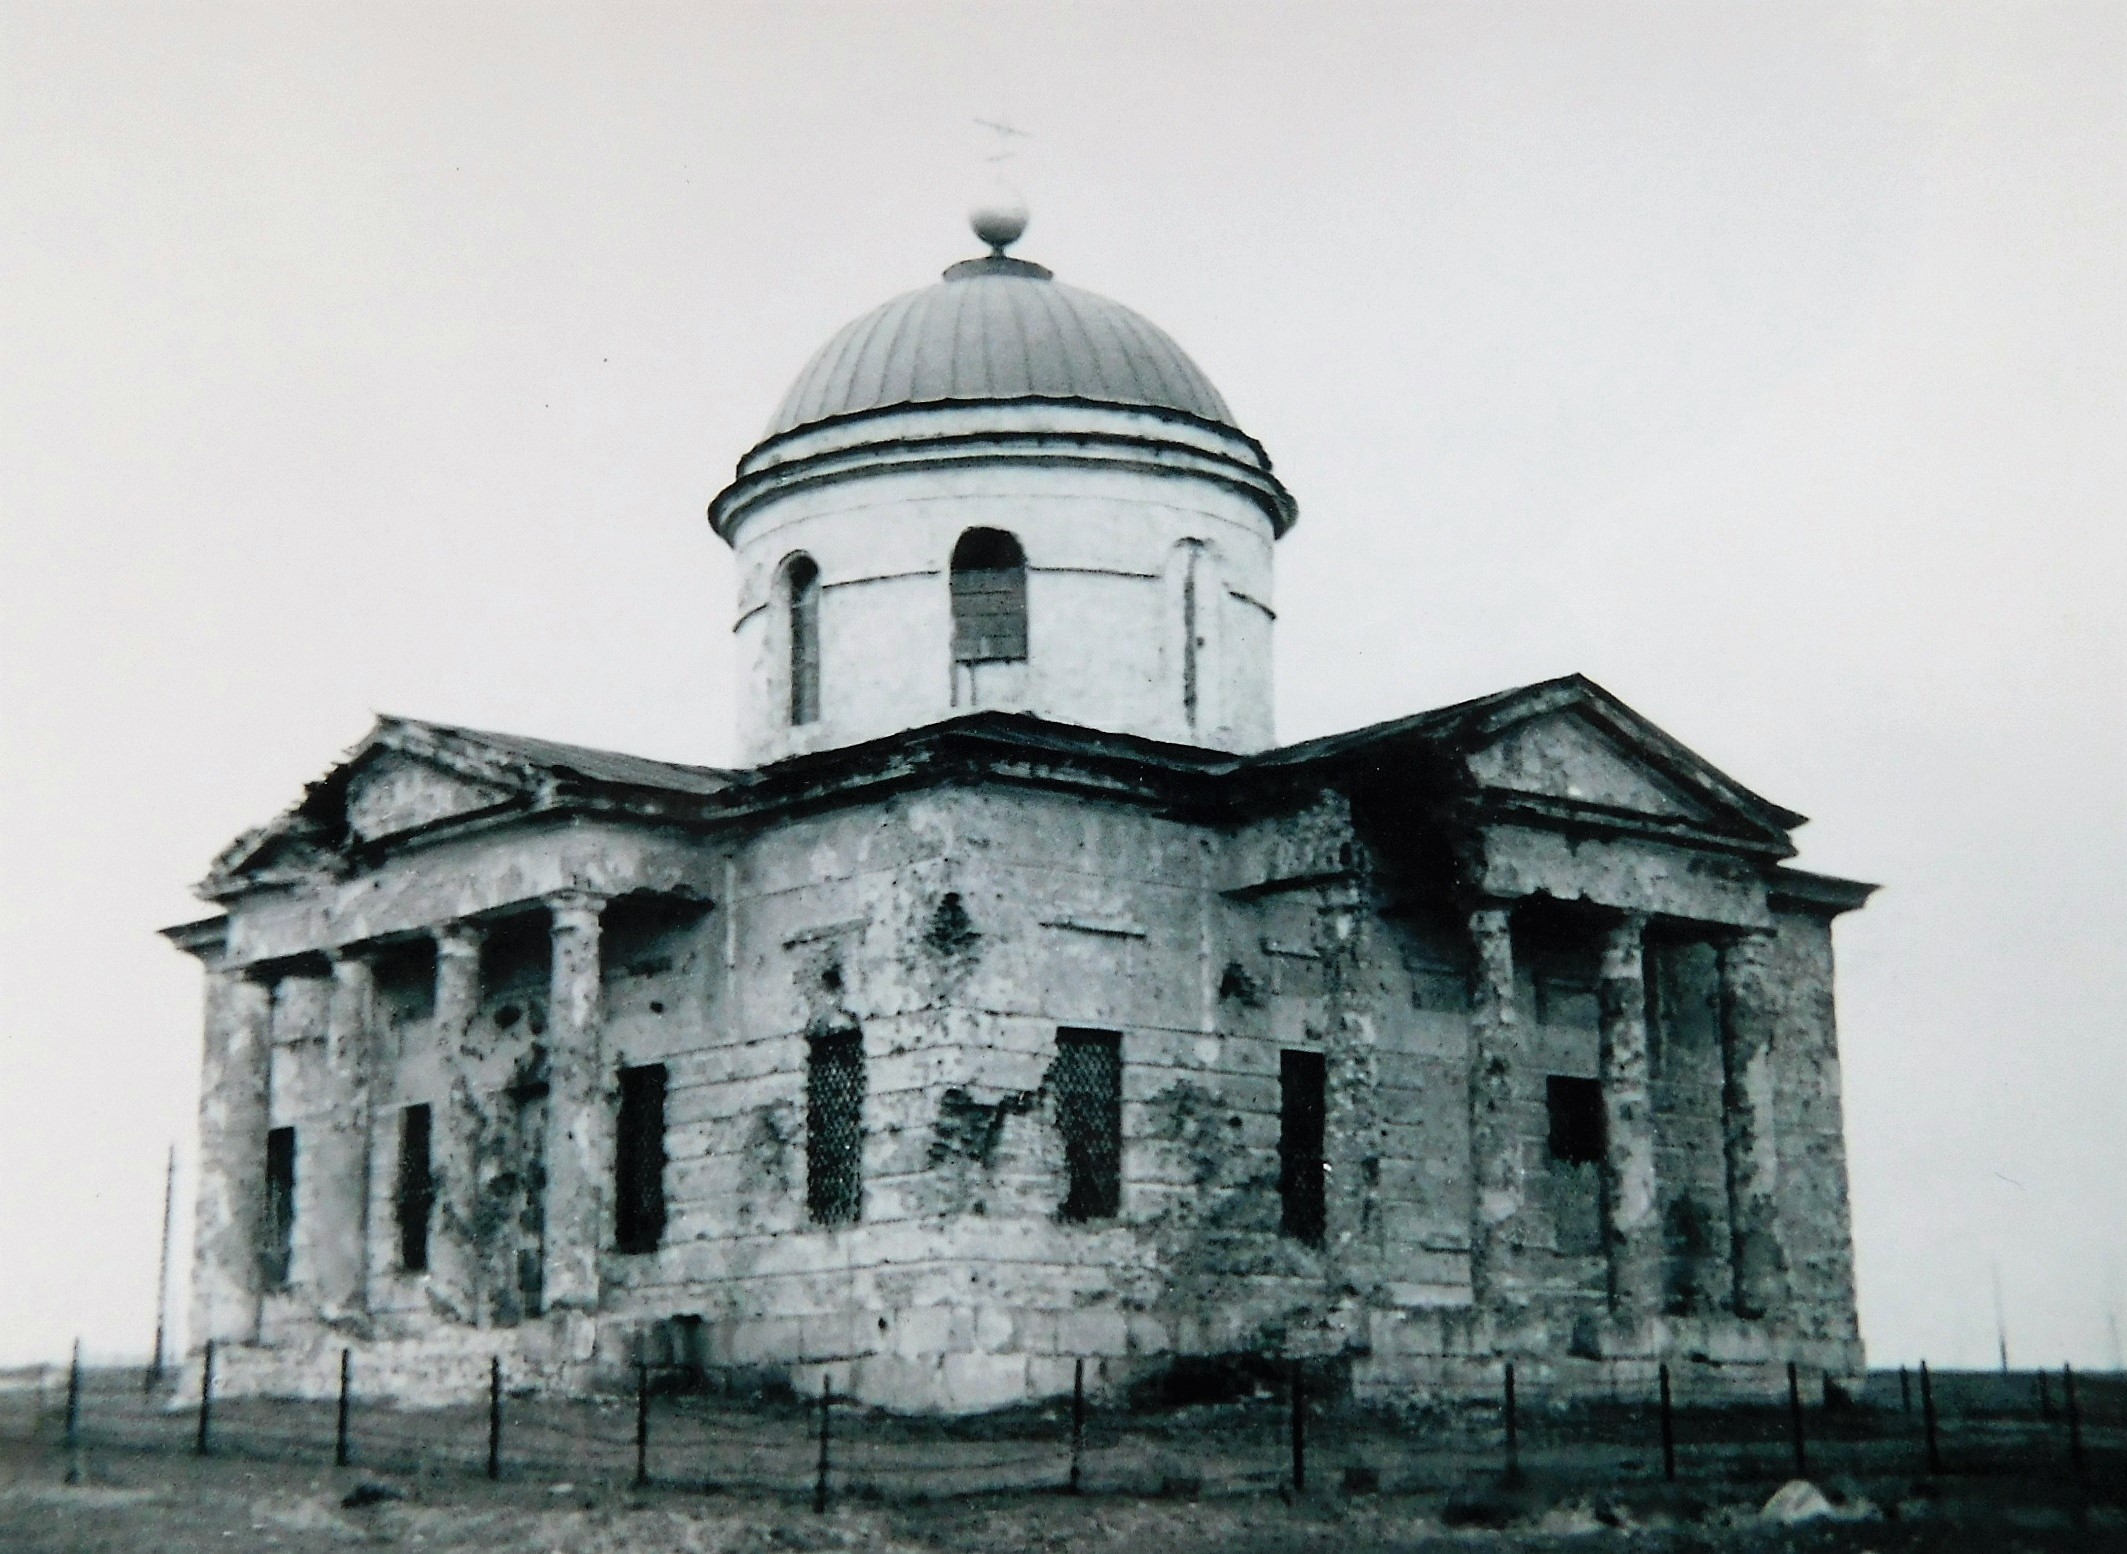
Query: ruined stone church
{"type": "Point", "coordinates": [1020, 1000]}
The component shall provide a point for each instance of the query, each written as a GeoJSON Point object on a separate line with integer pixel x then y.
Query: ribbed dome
{"type": "Point", "coordinates": [997, 328]}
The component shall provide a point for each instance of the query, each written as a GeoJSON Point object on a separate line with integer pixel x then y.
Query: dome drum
{"type": "Point", "coordinates": [1077, 436]}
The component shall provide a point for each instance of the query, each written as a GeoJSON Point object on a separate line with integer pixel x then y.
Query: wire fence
{"type": "Point", "coordinates": [1288, 1434]}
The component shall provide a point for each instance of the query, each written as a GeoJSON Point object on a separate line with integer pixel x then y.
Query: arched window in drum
{"type": "Point", "coordinates": [801, 602]}
{"type": "Point", "coordinates": [989, 598]}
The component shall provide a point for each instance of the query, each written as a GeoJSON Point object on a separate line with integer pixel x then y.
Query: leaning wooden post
{"type": "Point", "coordinates": [153, 1378]}
{"type": "Point", "coordinates": [642, 1424]}
{"type": "Point", "coordinates": [1299, 1429]}
{"type": "Point", "coordinates": [819, 1483]}
{"type": "Point", "coordinates": [206, 1398]}
{"type": "Point", "coordinates": [1513, 1428]}
{"type": "Point", "coordinates": [1668, 1430]}
{"type": "Point", "coordinates": [2075, 1420]}
{"type": "Point", "coordinates": [1794, 1420]}
{"type": "Point", "coordinates": [1078, 1422]}
{"type": "Point", "coordinates": [1927, 1419]}
{"type": "Point", "coordinates": [73, 1416]}
{"type": "Point", "coordinates": [494, 1417]}
{"type": "Point", "coordinates": [340, 1454]}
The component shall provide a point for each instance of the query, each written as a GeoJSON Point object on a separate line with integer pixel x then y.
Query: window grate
{"type": "Point", "coordinates": [417, 1188]}
{"type": "Point", "coordinates": [1576, 1111]}
{"type": "Point", "coordinates": [1088, 1081]}
{"type": "Point", "coordinates": [278, 1253]}
{"type": "Point", "coordinates": [834, 1129]}
{"type": "Point", "coordinates": [801, 580]}
{"type": "Point", "coordinates": [639, 1160]}
{"type": "Point", "coordinates": [989, 590]}
{"type": "Point", "coordinates": [1302, 1117]}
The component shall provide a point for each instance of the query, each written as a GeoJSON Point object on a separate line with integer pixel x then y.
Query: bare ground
{"type": "Point", "coordinates": [160, 1503]}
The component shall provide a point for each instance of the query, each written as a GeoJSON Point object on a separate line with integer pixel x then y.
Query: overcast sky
{"type": "Point", "coordinates": [1763, 363]}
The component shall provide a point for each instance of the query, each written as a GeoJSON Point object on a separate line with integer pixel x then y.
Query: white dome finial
{"type": "Point", "coordinates": [999, 223]}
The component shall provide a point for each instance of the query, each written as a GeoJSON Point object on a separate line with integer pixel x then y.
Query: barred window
{"type": "Point", "coordinates": [1192, 630]}
{"type": "Point", "coordinates": [1576, 1114]}
{"type": "Point", "coordinates": [801, 591]}
{"type": "Point", "coordinates": [1088, 1079]}
{"type": "Point", "coordinates": [416, 1195]}
{"type": "Point", "coordinates": [834, 1128]}
{"type": "Point", "coordinates": [989, 598]}
{"type": "Point", "coordinates": [639, 1160]}
{"type": "Point", "coordinates": [1301, 1172]}
{"type": "Point", "coordinates": [278, 1253]}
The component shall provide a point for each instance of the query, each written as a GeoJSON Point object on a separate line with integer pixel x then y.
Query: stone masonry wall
{"type": "Point", "coordinates": [958, 929]}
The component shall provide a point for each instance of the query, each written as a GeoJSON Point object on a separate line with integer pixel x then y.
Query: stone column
{"type": "Point", "coordinates": [338, 1159]}
{"type": "Point", "coordinates": [1747, 1123]}
{"type": "Point", "coordinates": [1498, 1185]}
{"type": "Point", "coordinates": [579, 1117]}
{"type": "Point", "coordinates": [297, 1097]}
{"type": "Point", "coordinates": [226, 1276]}
{"type": "Point", "coordinates": [457, 1274]}
{"type": "Point", "coordinates": [1633, 1227]}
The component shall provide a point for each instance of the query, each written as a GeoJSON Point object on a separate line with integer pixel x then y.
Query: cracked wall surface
{"type": "Point", "coordinates": [958, 927]}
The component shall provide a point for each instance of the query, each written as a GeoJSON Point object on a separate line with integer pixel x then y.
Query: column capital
{"type": "Point", "coordinates": [1489, 914]}
{"type": "Point", "coordinates": [460, 936]}
{"type": "Point", "coordinates": [1624, 940]}
{"type": "Point", "coordinates": [349, 961]}
{"type": "Point", "coordinates": [575, 908]}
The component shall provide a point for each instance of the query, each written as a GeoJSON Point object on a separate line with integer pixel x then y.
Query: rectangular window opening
{"type": "Point", "coordinates": [279, 1250]}
{"type": "Point", "coordinates": [1576, 1107]}
{"type": "Point", "coordinates": [416, 1195]}
{"type": "Point", "coordinates": [1302, 1173]}
{"type": "Point", "coordinates": [639, 1160]}
{"type": "Point", "coordinates": [834, 1128]}
{"type": "Point", "coordinates": [1088, 1082]}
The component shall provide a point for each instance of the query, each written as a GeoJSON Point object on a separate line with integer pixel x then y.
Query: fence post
{"type": "Point", "coordinates": [340, 1454]}
{"type": "Point", "coordinates": [819, 1485]}
{"type": "Point", "coordinates": [1668, 1430]}
{"type": "Point", "coordinates": [1927, 1419]}
{"type": "Point", "coordinates": [2075, 1420]}
{"type": "Point", "coordinates": [1078, 1422]}
{"type": "Point", "coordinates": [494, 1417]}
{"type": "Point", "coordinates": [206, 1398]}
{"type": "Point", "coordinates": [1299, 1429]}
{"type": "Point", "coordinates": [2045, 1395]}
{"type": "Point", "coordinates": [73, 1416]}
{"type": "Point", "coordinates": [153, 1378]}
{"type": "Point", "coordinates": [1794, 1420]}
{"type": "Point", "coordinates": [1905, 1391]}
{"type": "Point", "coordinates": [1513, 1428]}
{"type": "Point", "coordinates": [642, 1424]}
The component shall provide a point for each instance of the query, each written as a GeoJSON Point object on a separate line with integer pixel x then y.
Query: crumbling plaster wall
{"type": "Point", "coordinates": [958, 928]}
{"type": "Point", "coordinates": [1815, 1219]}
{"type": "Point", "coordinates": [1685, 1041]}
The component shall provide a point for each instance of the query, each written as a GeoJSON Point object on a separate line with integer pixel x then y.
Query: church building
{"type": "Point", "coordinates": [1021, 1000]}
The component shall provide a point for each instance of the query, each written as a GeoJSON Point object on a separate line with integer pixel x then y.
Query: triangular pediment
{"type": "Point", "coordinates": [392, 793]}
{"type": "Point", "coordinates": [1569, 745]}
{"type": "Point", "coordinates": [1561, 755]}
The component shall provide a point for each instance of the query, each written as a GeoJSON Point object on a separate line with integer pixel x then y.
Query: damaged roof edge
{"type": "Point", "coordinates": [1825, 894]}
{"type": "Point", "coordinates": [203, 939]}
{"type": "Point", "coordinates": [1005, 745]}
